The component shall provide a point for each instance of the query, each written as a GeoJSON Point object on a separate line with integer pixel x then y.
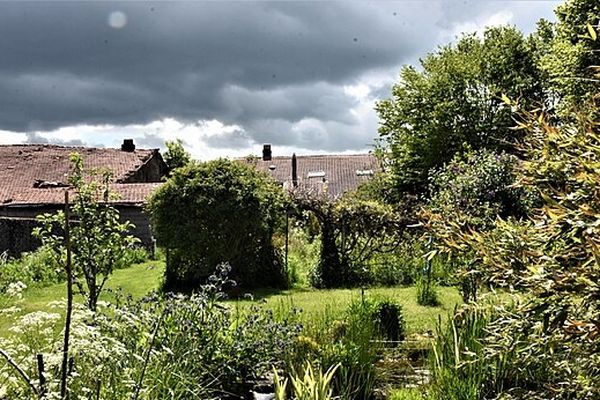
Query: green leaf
{"type": "Point", "coordinates": [592, 31]}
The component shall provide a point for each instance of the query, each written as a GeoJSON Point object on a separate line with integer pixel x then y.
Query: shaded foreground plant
{"type": "Point", "coordinates": [174, 347]}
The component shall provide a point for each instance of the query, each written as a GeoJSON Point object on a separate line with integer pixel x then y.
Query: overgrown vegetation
{"type": "Point", "coordinates": [493, 157]}
{"type": "Point", "coordinates": [177, 347]}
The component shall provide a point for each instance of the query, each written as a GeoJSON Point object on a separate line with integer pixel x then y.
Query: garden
{"type": "Point", "coordinates": [468, 269]}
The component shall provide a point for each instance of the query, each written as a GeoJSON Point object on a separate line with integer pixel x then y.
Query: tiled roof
{"type": "Point", "coordinates": [23, 167]}
{"type": "Point", "coordinates": [321, 174]}
{"type": "Point", "coordinates": [127, 194]}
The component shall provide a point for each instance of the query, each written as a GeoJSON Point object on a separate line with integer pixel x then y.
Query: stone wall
{"type": "Point", "coordinates": [142, 229]}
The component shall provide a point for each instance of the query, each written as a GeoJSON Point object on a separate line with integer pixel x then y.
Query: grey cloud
{"type": "Point", "coordinates": [264, 66]}
{"type": "Point", "coordinates": [229, 140]}
{"type": "Point", "coordinates": [150, 140]}
{"type": "Point", "coordinates": [38, 139]}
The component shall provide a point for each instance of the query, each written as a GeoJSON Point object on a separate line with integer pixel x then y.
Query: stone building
{"type": "Point", "coordinates": [33, 179]}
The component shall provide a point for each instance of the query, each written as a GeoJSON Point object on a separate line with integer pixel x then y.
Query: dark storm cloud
{"type": "Point", "coordinates": [264, 66]}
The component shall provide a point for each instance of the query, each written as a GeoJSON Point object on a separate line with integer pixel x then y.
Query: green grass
{"type": "Point", "coordinates": [419, 319]}
{"type": "Point", "coordinates": [136, 281]}
{"type": "Point", "coordinates": [140, 279]}
{"type": "Point", "coordinates": [406, 394]}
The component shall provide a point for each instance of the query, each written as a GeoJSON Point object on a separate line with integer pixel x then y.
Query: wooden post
{"type": "Point", "coordinates": [41, 377]}
{"type": "Point", "coordinates": [287, 240]}
{"type": "Point", "coordinates": [69, 271]}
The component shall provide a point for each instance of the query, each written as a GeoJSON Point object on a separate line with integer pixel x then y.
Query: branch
{"type": "Point", "coordinates": [22, 373]}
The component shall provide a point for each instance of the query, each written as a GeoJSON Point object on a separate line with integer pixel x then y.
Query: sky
{"type": "Point", "coordinates": [225, 77]}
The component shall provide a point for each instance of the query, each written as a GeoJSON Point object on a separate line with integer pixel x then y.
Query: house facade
{"type": "Point", "coordinates": [33, 179]}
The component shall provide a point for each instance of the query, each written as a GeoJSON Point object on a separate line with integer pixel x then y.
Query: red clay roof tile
{"type": "Point", "coordinates": [34, 174]}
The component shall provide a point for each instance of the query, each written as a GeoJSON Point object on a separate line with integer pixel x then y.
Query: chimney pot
{"type": "Point", "coordinates": [128, 146]}
{"type": "Point", "coordinates": [267, 154]}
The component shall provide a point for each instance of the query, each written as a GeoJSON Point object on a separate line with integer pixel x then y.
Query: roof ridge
{"type": "Point", "coordinates": [325, 155]}
{"type": "Point", "coordinates": [66, 146]}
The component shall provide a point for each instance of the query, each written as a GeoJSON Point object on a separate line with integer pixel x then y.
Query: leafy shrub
{"type": "Point", "coordinates": [388, 316]}
{"type": "Point", "coordinates": [35, 268]}
{"type": "Point", "coordinates": [427, 291]}
{"type": "Point", "coordinates": [476, 187]}
{"type": "Point", "coordinates": [214, 212]}
{"type": "Point", "coordinates": [134, 255]}
{"type": "Point", "coordinates": [353, 230]}
{"type": "Point", "coordinates": [470, 193]}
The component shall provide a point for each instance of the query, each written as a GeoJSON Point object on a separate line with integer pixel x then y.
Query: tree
{"type": "Point", "coordinates": [573, 51]}
{"type": "Point", "coordinates": [98, 239]}
{"type": "Point", "coordinates": [456, 101]}
{"type": "Point", "coordinates": [215, 212]}
{"type": "Point", "coordinates": [176, 155]}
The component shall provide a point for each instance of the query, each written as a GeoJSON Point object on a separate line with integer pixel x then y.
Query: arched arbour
{"type": "Point", "coordinates": [352, 231]}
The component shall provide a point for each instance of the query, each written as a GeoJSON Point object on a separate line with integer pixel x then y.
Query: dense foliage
{"type": "Point", "coordinates": [35, 268]}
{"type": "Point", "coordinates": [573, 50]}
{"type": "Point", "coordinates": [175, 347]}
{"type": "Point", "coordinates": [352, 232]}
{"type": "Point", "coordinates": [554, 260]}
{"type": "Point", "coordinates": [454, 102]}
{"type": "Point", "coordinates": [176, 155]}
{"type": "Point", "coordinates": [479, 186]}
{"type": "Point", "coordinates": [214, 212]}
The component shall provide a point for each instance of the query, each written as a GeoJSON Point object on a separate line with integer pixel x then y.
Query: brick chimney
{"type": "Point", "coordinates": [128, 146]}
{"type": "Point", "coordinates": [267, 155]}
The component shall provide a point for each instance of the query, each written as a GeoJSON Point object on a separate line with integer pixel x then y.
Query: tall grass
{"type": "Point", "coordinates": [459, 370]}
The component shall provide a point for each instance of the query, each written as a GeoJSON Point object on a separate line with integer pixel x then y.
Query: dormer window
{"type": "Point", "coordinates": [316, 174]}
{"type": "Point", "coordinates": [364, 172]}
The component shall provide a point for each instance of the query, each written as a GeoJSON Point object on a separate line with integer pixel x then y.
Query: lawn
{"type": "Point", "coordinates": [140, 279]}
{"type": "Point", "coordinates": [136, 281]}
{"type": "Point", "coordinates": [419, 319]}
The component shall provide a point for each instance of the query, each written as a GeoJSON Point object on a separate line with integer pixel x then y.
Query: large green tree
{"type": "Point", "coordinates": [455, 100]}
{"type": "Point", "coordinates": [216, 212]}
{"type": "Point", "coordinates": [573, 51]}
